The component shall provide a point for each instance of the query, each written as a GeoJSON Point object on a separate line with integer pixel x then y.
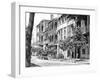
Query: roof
{"type": "Point", "coordinates": [44, 20]}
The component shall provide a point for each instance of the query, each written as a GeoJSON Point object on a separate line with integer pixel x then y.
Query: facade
{"type": "Point", "coordinates": [68, 26]}
{"type": "Point", "coordinates": [46, 32]}
{"type": "Point", "coordinates": [51, 31]}
{"type": "Point", "coordinates": [41, 29]}
{"type": "Point", "coordinates": [70, 30]}
{"type": "Point", "coordinates": [64, 30]}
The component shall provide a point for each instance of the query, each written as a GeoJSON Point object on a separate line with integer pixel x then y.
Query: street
{"type": "Point", "coordinates": [56, 62]}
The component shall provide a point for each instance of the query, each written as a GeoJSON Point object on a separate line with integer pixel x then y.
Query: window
{"type": "Point", "coordinates": [42, 28]}
{"type": "Point", "coordinates": [41, 38]}
{"type": "Point", "coordinates": [65, 30]}
{"type": "Point", "coordinates": [65, 18]}
{"type": "Point", "coordinates": [55, 24]}
{"type": "Point", "coordinates": [83, 51]}
{"type": "Point", "coordinates": [52, 25]}
{"type": "Point", "coordinates": [52, 37]}
{"type": "Point", "coordinates": [56, 37]}
{"type": "Point", "coordinates": [62, 19]}
{"type": "Point", "coordinates": [64, 37]}
{"type": "Point", "coordinates": [68, 31]}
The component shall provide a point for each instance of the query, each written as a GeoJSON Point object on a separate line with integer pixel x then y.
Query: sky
{"type": "Point", "coordinates": [38, 17]}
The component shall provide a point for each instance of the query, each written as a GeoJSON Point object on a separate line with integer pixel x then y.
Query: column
{"type": "Point", "coordinates": [76, 52]}
{"type": "Point", "coordinates": [62, 33]}
{"type": "Point", "coordinates": [81, 52]}
{"type": "Point", "coordinates": [86, 51]}
{"type": "Point", "coordinates": [57, 50]}
{"type": "Point", "coordinates": [65, 54]}
{"type": "Point", "coordinates": [73, 52]}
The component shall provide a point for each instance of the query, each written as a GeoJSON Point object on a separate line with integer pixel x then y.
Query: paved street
{"type": "Point", "coordinates": [56, 62]}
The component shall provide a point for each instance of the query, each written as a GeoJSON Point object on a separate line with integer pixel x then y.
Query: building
{"type": "Point", "coordinates": [47, 36]}
{"type": "Point", "coordinates": [51, 31]}
{"type": "Point", "coordinates": [75, 28]}
{"type": "Point", "coordinates": [64, 30]}
{"type": "Point", "coordinates": [70, 30]}
{"type": "Point", "coordinates": [46, 32]}
{"type": "Point", "coordinates": [40, 30]}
